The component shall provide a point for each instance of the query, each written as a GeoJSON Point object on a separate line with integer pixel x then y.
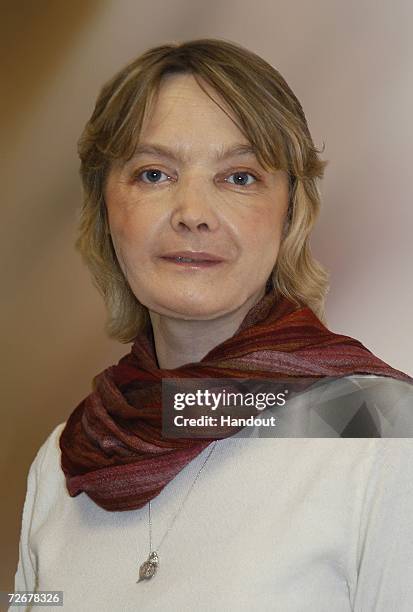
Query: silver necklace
{"type": "Point", "coordinates": [150, 566]}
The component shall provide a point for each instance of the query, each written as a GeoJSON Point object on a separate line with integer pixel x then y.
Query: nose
{"type": "Point", "coordinates": [193, 207]}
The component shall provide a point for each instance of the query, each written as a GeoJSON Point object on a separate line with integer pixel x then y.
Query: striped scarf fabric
{"type": "Point", "coordinates": [112, 446]}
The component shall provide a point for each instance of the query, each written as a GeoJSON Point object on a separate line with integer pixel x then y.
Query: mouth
{"type": "Point", "coordinates": [192, 259]}
{"type": "Point", "coordinates": [187, 262]}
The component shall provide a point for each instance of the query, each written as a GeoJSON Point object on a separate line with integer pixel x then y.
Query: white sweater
{"type": "Point", "coordinates": [288, 525]}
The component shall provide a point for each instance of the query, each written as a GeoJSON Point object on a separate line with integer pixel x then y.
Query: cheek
{"type": "Point", "coordinates": [127, 248]}
{"type": "Point", "coordinates": [129, 234]}
{"type": "Point", "coordinates": [126, 225]}
{"type": "Point", "coordinates": [262, 232]}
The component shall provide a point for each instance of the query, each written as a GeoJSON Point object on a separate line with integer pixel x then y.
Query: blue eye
{"type": "Point", "coordinates": [242, 178]}
{"type": "Point", "coordinates": [152, 174]}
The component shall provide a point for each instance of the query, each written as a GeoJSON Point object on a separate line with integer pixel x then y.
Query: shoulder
{"type": "Point", "coordinates": [388, 491]}
{"type": "Point", "coordinates": [49, 450]}
{"type": "Point", "coordinates": [385, 546]}
{"type": "Point", "coordinates": [362, 405]}
{"type": "Point", "coordinates": [45, 477]}
{"type": "Point", "coordinates": [44, 485]}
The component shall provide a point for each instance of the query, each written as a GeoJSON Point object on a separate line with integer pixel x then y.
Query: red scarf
{"type": "Point", "coordinates": [112, 446]}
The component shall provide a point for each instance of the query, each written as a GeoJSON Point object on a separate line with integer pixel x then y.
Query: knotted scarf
{"type": "Point", "coordinates": [112, 447]}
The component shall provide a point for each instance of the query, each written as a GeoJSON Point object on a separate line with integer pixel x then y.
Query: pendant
{"type": "Point", "coordinates": [149, 567]}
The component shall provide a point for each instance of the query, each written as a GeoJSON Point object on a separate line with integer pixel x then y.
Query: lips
{"type": "Point", "coordinates": [193, 256]}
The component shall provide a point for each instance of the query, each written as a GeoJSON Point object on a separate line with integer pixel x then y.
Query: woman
{"type": "Point", "coordinates": [200, 181]}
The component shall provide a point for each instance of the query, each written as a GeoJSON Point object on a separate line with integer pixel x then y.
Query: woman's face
{"type": "Point", "coordinates": [181, 193]}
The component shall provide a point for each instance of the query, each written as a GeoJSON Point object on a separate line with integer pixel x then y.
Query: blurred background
{"type": "Point", "coordinates": [351, 66]}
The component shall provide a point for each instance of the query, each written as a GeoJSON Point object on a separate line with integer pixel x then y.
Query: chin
{"type": "Point", "coordinates": [192, 309]}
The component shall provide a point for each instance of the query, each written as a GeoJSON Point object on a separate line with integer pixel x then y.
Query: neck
{"type": "Point", "coordinates": [182, 341]}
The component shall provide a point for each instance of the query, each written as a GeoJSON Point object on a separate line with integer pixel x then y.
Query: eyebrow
{"type": "Point", "coordinates": [221, 154]}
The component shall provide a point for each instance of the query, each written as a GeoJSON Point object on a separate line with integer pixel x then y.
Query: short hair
{"type": "Point", "coordinates": [268, 114]}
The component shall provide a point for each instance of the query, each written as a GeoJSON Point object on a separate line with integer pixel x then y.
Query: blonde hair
{"type": "Point", "coordinates": [271, 118]}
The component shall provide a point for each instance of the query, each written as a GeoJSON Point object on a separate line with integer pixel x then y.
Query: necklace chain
{"type": "Point", "coordinates": [149, 567]}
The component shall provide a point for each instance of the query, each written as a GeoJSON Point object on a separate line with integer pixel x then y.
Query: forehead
{"type": "Point", "coordinates": [183, 93]}
{"type": "Point", "coordinates": [184, 117]}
